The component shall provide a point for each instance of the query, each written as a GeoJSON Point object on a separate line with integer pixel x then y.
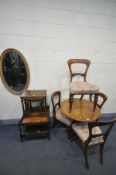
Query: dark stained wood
{"type": "Point", "coordinates": [107, 126]}
{"type": "Point", "coordinates": [56, 103]}
{"type": "Point", "coordinates": [101, 99]}
{"type": "Point", "coordinates": [35, 120]}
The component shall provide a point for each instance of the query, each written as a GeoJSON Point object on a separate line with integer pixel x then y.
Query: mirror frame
{"type": "Point", "coordinates": [2, 75]}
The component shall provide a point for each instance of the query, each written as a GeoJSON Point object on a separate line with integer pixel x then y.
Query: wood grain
{"type": "Point", "coordinates": [82, 110]}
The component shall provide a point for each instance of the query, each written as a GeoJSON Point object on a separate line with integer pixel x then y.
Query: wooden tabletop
{"type": "Point", "coordinates": [82, 110]}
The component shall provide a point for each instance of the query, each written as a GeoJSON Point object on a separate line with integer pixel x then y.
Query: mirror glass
{"type": "Point", "coordinates": [14, 71]}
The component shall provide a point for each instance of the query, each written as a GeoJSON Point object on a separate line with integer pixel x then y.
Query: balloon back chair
{"type": "Point", "coordinates": [78, 80]}
{"type": "Point", "coordinates": [58, 116]}
{"type": "Point", "coordinates": [101, 99]}
{"type": "Point", "coordinates": [96, 133]}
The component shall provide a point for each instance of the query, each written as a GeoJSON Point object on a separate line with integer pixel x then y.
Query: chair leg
{"type": "Point", "coordinates": [54, 122]}
{"type": "Point", "coordinates": [101, 152]}
{"type": "Point", "coordinates": [86, 156]}
{"type": "Point", "coordinates": [70, 135]}
{"type": "Point", "coordinates": [95, 102]}
{"type": "Point", "coordinates": [21, 137]}
{"type": "Point", "coordinates": [91, 97]}
{"type": "Point", "coordinates": [49, 131]}
{"type": "Point", "coordinates": [70, 102]}
{"type": "Point", "coordinates": [81, 97]}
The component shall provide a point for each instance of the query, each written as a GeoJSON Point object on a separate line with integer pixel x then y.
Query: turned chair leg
{"type": "Point", "coordinates": [95, 102]}
{"type": "Point", "coordinates": [20, 130]}
{"type": "Point", "coordinates": [70, 102]}
{"type": "Point", "coordinates": [86, 156]}
{"type": "Point", "coordinates": [70, 134]}
{"type": "Point", "coordinates": [54, 122]}
{"type": "Point", "coordinates": [101, 152]}
{"type": "Point", "coordinates": [81, 97]}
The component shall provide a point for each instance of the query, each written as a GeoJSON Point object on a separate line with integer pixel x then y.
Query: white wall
{"type": "Point", "coordinates": [48, 33]}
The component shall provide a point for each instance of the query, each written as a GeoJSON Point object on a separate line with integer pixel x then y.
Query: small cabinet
{"type": "Point", "coordinates": [35, 121]}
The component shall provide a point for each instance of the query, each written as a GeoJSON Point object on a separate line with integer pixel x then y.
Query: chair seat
{"type": "Point", "coordinates": [34, 120]}
{"type": "Point", "coordinates": [62, 118]}
{"type": "Point", "coordinates": [37, 117]}
{"type": "Point", "coordinates": [82, 132]}
{"type": "Point", "coordinates": [83, 88]}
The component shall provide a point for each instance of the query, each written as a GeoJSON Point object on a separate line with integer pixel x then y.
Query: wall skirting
{"type": "Point", "coordinates": [9, 121]}
{"type": "Point", "coordinates": [15, 121]}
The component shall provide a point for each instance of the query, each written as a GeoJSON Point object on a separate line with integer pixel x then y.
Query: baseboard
{"type": "Point", "coordinates": [15, 121]}
{"type": "Point", "coordinates": [9, 121]}
{"type": "Point", "coordinates": [109, 115]}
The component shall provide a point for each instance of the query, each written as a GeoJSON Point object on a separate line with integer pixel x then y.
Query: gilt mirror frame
{"type": "Point", "coordinates": [23, 60]}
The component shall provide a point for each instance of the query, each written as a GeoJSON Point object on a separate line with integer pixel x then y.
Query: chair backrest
{"type": "Point", "coordinates": [56, 100]}
{"type": "Point", "coordinates": [105, 127]}
{"type": "Point", "coordinates": [101, 99]}
{"type": "Point", "coordinates": [30, 104]}
{"type": "Point", "coordinates": [77, 72]}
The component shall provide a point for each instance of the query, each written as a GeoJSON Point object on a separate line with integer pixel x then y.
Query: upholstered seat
{"type": "Point", "coordinates": [57, 113]}
{"type": "Point", "coordinates": [81, 87]}
{"type": "Point", "coordinates": [82, 132]}
{"type": "Point", "coordinates": [62, 118]}
{"type": "Point", "coordinates": [93, 133]}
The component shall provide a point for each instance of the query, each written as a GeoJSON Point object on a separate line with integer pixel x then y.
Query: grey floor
{"type": "Point", "coordinates": [57, 156]}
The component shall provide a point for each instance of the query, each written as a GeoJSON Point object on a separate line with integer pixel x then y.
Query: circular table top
{"type": "Point", "coordinates": [82, 110]}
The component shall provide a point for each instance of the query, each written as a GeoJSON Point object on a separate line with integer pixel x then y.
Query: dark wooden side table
{"type": "Point", "coordinates": [35, 121]}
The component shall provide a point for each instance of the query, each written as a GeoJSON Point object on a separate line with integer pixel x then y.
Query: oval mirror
{"type": "Point", "coordinates": [14, 71]}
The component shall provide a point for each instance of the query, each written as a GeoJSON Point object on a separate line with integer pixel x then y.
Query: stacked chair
{"type": "Point", "coordinates": [78, 81]}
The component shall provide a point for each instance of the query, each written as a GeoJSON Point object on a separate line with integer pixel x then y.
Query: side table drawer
{"type": "Point", "coordinates": [36, 130]}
